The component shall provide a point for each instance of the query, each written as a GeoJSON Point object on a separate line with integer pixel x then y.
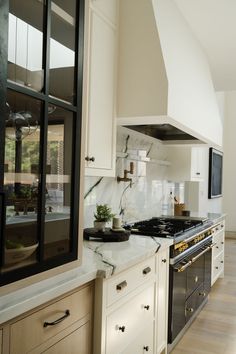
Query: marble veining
{"type": "Point", "coordinates": [145, 196]}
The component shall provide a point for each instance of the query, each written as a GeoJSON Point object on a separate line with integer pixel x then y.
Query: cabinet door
{"type": "Point", "coordinates": [197, 164]}
{"type": "Point", "coordinates": [100, 154]}
{"type": "Point", "coordinates": [78, 342]}
{"type": "Point", "coordinates": [143, 343]}
{"type": "Point", "coordinates": [162, 299]}
{"type": "Point", "coordinates": [107, 7]}
{"type": "Point", "coordinates": [124, 323]}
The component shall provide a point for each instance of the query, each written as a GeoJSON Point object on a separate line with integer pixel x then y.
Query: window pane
{"type": "Point", "coordinates": [58, 182]}
{"type": "Point", "coordinates": [21, 179]}
{"type": "Point", "coordinates": [25, 43]}
{"type": "Point", "coordinates": [62, 50]}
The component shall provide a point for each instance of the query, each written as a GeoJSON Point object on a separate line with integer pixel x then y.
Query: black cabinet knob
{"type": "Point", "coordinates": [122, 328]}
{"type": "Point", "coordinates": [87, 158]}
{"type": "Point", "coordinates": [147, 307]}
{"type": "Point", "coordinates": [163, 260]}
{"type": "Point", "coordinates": [146, 348]}
{"type": "Point", "coordinates": [146, 270]}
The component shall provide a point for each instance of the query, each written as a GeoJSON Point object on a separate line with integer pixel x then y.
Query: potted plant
{"type": "Point", "coordinates": [102, 216]}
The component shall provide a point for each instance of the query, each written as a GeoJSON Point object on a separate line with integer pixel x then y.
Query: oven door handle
{"type": "Point", "coordinates": [191, 261]}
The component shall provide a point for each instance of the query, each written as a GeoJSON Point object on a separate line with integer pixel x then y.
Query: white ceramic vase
{"type": "Point", "coordinates": [100, 225]}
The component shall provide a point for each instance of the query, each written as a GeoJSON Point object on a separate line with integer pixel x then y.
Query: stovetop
{"type": "Point", "coordinates": [166, 226]}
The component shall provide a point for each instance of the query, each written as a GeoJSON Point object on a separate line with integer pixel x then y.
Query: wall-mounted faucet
{"type": "Point", "coordinates": [125, 178]}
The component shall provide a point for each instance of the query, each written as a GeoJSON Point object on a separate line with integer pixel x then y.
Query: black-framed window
{"type": "Point", "coordinates": [40, 128]}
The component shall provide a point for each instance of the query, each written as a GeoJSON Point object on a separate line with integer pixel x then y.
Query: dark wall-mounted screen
{"type": "Point", "coordinates": [215, 173]}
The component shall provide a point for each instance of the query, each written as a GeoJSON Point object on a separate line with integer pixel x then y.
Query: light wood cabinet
{"type": "Point", "coordinates": [61, 326]}
{"type": "Point", "coordinates": [187, 163]}
{"type": "Point", "coordinates": [162, 301]}
{"type": "Point", "coordinates": [99, 89]}
{"type": "Point", "coordinates": [0, 341]}
{"type": "Point", "coordinates": [218, 239]}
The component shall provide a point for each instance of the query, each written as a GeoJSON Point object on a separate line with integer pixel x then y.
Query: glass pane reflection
{"type": "Point", "coordinates": [58, 182]}
{"type": "Point", "coordinates": [62, 50]}
{"type": "Point", "coordinates": [25, 43]}
{"type": "Point", "coordinates": [21, 179]}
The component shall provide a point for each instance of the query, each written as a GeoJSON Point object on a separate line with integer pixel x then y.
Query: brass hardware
{"type": "Point", "coordinates": [196, 279]}
{"type": "Point", "coordinates": [189, 309]}
{"type": "Point", "coordinates": [125, 178]}
{"type": "Point", "coordinates": [202, 294]}
{"type": "Point", "coordinates": [122, 285]}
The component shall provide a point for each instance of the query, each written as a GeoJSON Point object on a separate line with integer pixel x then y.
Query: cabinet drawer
{"type": "Point", "coordinates": [31, 331]}
{"type": "Point", "coordinates": [127, 281]}
{"type": "Point", "coordinates": [219, 227]}
{"type": "Point", "coordinates": [217, 266]}
{"type": "Point", "coordinates": [78, 342]}
{"type": "Point", "coordinates": [123, 324]}
{"type": "Point", "coordinates": [143, 343]}
{"type": "Point", "coordinates": [219, 245]}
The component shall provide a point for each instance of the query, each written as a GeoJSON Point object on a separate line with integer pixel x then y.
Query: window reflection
{"type": "Point", "coordinates": [20, 179]}
{"type": "Point", "coordinates": [58, 182]}
{"type": "Point", "coordinates": [25, 43]}
{"type": "Point", "coordinates": [62, 50]}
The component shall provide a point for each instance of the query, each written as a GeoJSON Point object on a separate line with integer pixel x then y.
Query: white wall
{"type": "Point", "coordinates": [229, 171]}
{"type": "Point", "coordinates": [188, 74]}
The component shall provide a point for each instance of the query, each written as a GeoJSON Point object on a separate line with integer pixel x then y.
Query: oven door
{"type": "Point", "coordinates": [190, 281]}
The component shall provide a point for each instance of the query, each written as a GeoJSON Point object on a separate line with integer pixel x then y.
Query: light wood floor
{"type": "Point", "coordinates": [214, 330]}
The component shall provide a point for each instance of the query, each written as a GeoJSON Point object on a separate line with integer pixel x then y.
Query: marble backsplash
{"type": "Point", "coordinates": [148, 192]}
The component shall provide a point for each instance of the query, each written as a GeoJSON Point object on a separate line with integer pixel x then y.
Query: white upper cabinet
{"type": "Point", "coordinates": [99, 90]}
{"type": "Point", "coordinates": [187, 163]}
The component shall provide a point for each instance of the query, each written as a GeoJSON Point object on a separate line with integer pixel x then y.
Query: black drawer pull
{"type": "Point", "coordinates": [146, 348]}
{"type": "Point", "coordinates": [122, 328]}
{"type": "Point", "coordinates": [147, 307]}
{"type": "Point", "coordinates": [67, 314]}
{"type": "Point", "coordinates": [222, 242]}
{"type": "Point", "coordinates": [217, 246]}
{"type": "Point", "coordinates": [163, 260]}
{"type": "Point", "coordinates": [222, 226]}
{"type": "Point", "coordinates": [217, 267]}
{"type": "Point", "coordinates": [198, 173]}
{"type": "Point", "coordinates": [122, 285]}
{"type": "Point", "coordinates": [221, 261]}
{"type": "Point", "coordinates": [146, 270]}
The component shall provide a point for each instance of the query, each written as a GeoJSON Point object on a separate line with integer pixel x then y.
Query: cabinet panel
{"type": "Point", "coordinates": [143, 343]}
{"type": "Point", "coordinates": [107, 7]}
{"type": "Point", "coordinates": [162, 299]}
{"type": "Point", "coordinates": [123, 324]}
{"type": "Point", "coordinates": [197, 163]}
{"type": "Point", "coordinates": [78, 342]}
{"type": "Point", "coordinates": [129, 280]}
{"type": "Point", "coordinates": [100, 153]}
{"type": "Point", "coordinates": [0, 341]}
{"type": "Point", "coordinates": [30, 332]}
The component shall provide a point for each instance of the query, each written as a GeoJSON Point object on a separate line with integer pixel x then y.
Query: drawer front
{"type": "Point", "coordinates": [31, 331]}
{"type": "Point", "coordinates": [127, 281]}
{"type": "Point", "coordinates": [218, 228]}
{"type": "Point", "coordinates": [194, 301]}
{"type": "Point", "coordinates": [78, 342]}
{"type": "Point", "coordinates": [219, 244]}
{"type": "Point", "coordinates": [143, 343]}
{"type": "Point", "coordinates": [123, 324]}
{"type": "Point", "coordinates": [217, 266]}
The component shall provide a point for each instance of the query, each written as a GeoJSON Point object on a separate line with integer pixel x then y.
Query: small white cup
{"type": "Point", "coordinates": [116, 223]}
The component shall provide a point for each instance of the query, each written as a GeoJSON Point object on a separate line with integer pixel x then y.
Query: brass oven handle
{"type": "Point", "coordinates": [181, 269]}
{"type": "Point", "coordinates": [67, 314]}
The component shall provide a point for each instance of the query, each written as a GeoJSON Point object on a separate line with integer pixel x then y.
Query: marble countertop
{"type": "Point", "coordinates": [99, 260]}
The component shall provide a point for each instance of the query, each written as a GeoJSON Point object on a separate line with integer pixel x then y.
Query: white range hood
{"type": "Point", "coordinates": [164, 80]}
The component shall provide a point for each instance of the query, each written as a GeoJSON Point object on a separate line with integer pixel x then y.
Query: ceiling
{"type": "Point", "coordinates": [213, 22]}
